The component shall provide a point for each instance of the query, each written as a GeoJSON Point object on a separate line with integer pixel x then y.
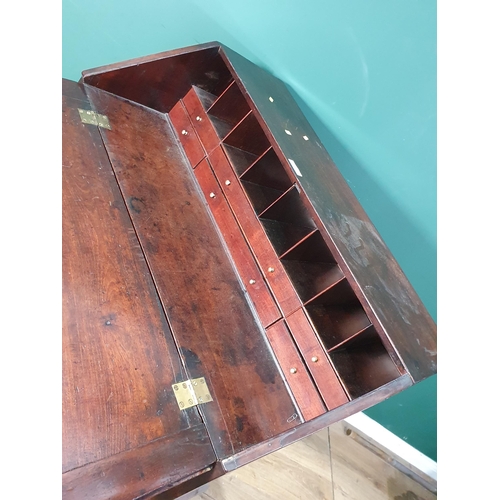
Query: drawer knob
{"type": "Point", "coordinates": [252, 282]}
{"type": "Point", "coordinates": [184, 132]}
{"type": "Point", "coordinates": [293, 370]}
{"type": "Point", "coordinates": [314, 359]}
{"type": "Point", "coordinates": [212, 195]}
{"type": "Point", "coordinates": [227, 182]}
{"type": "Point", "coordinates": [198, 118]}
{"type": "Point", "coordinates": [270, 269]}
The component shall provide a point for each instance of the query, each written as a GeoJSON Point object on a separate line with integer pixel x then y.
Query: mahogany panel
{"type": "Point", "coordinates": [250, 274]}
{"type": "Point", "coordinates": [324, 375]}
{"type": "Point", "coordinates": [209, 313]}
{"type": "Point", "coordinates": [160, 80]}
{"type": "Point", "coordinates": [119, 358]}
{"type": "Point", "coordinates": [186, 134]}
{"type": "Point", "coordinates": [296, 374]}
{"type": "Point", "coordinates": [143, 472]}
{"type": "Point", "coordinates": [362, 403]}
{"type": "Point", "coordinates": [392, 304]}
{"type": "Point", "coordinates": [200, 120]}
{"type": "Point", "coordinates": [192, 484]}
{"type": "Point", "coordinates": [266, 257]}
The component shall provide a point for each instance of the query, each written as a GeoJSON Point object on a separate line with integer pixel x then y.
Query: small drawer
{"type": "Point", "coordinates": [272, 268]}
{"type": "Point", "coordinates": [317, 361]}
{"type": "Point", "coordinates": [296, 374]}
{"type": "Point", "coordinates": [200, 121]}
{"type": "Point", "coordinates": [186, 133]}
{"type": "Point", "coordinates": [250, 274]}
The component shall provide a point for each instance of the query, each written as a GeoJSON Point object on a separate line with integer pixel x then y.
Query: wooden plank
{"type": "Point", "coordinates": [159, 81]}
{"type": "Point", "coordinates": [266, 256]}
{"type": "Point", "coordinates": [321, 369]}
{"type": "Point", "coordinates": [393, 305]}
{"type": "Point", "coordinates": [212, 322]}
{"type": "Point", "coordinates": [362, 403]}
{"type": "Point", "coordinates": [250, 274]}
{"type": "Point", "coordinates": [201, 121]}
{"type": "Point", "coordinates": [299, 380]}
{"type": "Point", "coordinates": [144, 471]}
{"type": "Point", "coordinates": [186, 134]}
{"type": "Point", "coordinates": [119, 357]}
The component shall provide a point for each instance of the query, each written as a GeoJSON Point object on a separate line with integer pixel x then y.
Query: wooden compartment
{"type": "Point", "coordinates": [337, 314]}
{"type": "Point", "coordinates": [265, 181]}
{"type": "Point", "coordinates": [286, 221]}
{"type": "Point", "coordinates": [258, 270]}
{"type": "Point", "coordinates": [246, 136]}
{"type": "Point", "coordinates": [363, 363]}
{"type": "Point", "coordinates": [311, 266]}
{"type": "Point", "coordinates": [228, 110]}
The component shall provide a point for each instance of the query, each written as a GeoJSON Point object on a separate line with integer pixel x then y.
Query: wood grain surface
{"type": "Point", "coordinates": [241, 254]}
{"type": "Point", "coordinates": [392, 304]}
{"type": "Point", "coordinates": [212, 321]}
{"type": "Point", "coordinates": [119, 357]}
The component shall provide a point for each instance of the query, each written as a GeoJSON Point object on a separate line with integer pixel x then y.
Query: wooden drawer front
{"type": "Point", "coordinates": [200, 121]}
{"type": "Point", "coordinates": [254, 282]}
{"type": "Point", "coordinates": [271, 267]}
{"type": "Point", "coordinates": [321, 369]}
{"type": "Point", "coordinates": [187, 135]}
{"type": "Point", "coordinates": [299, 380]}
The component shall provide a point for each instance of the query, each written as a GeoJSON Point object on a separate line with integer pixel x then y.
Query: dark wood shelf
{"type": "Point", "coordinates": [364, 364]}
{"type": "Point", "coordinates": [289, 208]}
{"type": "Point", "coordinates": [222, 128]}
{"type": "Point", "coordinates": [260, 196]}
{"type": "Point", "coordinates": [206, 98]}
{"type": "Point", "coordinates": [248, 136]}
{"type": "Point", "coordinates": [311, 267]}
{"type": "Point", "coordinates": [240, 160]}
{"type": "Point", "coordinates": [336, 314]}
{"type": "Point", "coordinates": [268, 171]}
{"type": "Point", "coordinates": [231, 107]}
{"type": "Point", "coordinates": [284, 235]}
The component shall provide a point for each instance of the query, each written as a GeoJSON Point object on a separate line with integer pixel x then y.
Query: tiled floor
{"type": "Point", "coordinates": [329, 465]}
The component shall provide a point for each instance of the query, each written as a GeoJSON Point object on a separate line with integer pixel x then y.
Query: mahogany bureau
{"type": "Point", "coordinates": [224, 293]}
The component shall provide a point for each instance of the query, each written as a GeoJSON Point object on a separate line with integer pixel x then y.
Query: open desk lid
{"type": "Point", "coordinates": [159, 81]}
{"type": "Point", "coordinates": [151, 299]}
{"type": "Point", "coordinates": [123, 433]}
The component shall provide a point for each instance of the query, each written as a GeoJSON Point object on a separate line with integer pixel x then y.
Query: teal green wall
{"type": "Point", "coordinates": [364, 73]}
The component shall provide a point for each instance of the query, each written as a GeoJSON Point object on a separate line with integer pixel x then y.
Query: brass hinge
{"type": "Point", "coordinates": [191, 393]}
{"type": "Point", "coordinates": [93, 118]}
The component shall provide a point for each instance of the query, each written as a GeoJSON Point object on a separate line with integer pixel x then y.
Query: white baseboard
{"type": "Point", "coordinates": [393, 449]}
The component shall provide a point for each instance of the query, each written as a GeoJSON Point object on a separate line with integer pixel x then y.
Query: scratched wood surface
{"type": "Point", "coordinates": [328, 465]}
{"type": "Point", "coordinates": [119, 358]}
{"type": "Point", "coordinates": [211, 318]}
{"type": "Point", "coordinates": [377, 278]}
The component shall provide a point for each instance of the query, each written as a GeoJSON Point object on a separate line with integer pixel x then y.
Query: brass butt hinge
{"type": "Point", "coordinates": [93, 118]}
{"type": "Point", "coordinates": [191, 393]}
